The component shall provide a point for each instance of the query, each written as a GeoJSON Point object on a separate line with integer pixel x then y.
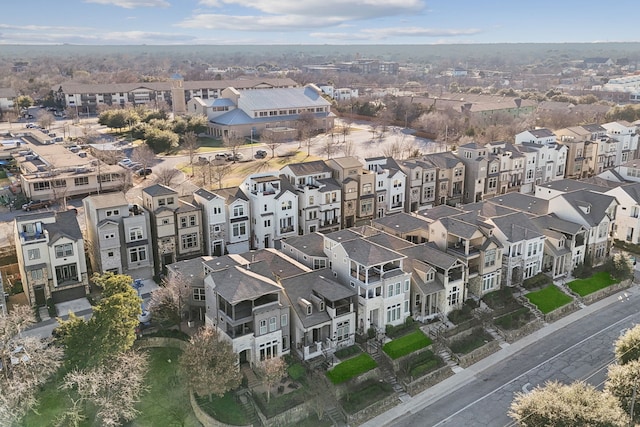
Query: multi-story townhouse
{"type": "Point", "coordinates": [52, 172]}
{"type": "Point", "coordinates": [437, 281]}
{"type": "Point", "coordinates": [449, 179]}
{"type": "Point", "coordinates": [565, 244]}
{"type": "Point", "coordinates": [118, 236]}
{"type": "Point", "coordinates": [481, 172]}
{"type": "Point", "coordinates": [358, 190]}
{"type": "Point", "coordinates": [248, 307]}
{"type": "Point", "coordinates": [627, 226]}
{"type": "Point", "coordinates": [87, 97]}
{"type": "Point", "coordinates": [273, 208]}
{"type": "Point", "coordinates": [176, 225]}
{"type": "Point", "coordinates": [470, 238]}
{"type": "Point", "coordinates": [512, 166]}
{"type": "Point", "coordinates": [596, 212]}
{"type": "Point", "coordinates": [50, 251]}
{"type": "Point", "coordinates": [225, 220]}
{"type": "Point", "coordinates": [319, 196]}
{"type": "Point", "coordinates": [377, 275]}
{"type": "Point", "coordinates": [421, 184]}
{"type": "Point", "coordinates": [626, 136]}
{"type": "Point", "coordinates": [576, 139]}
{"type": "Point", "coordinates": [390, 185]}
{"type": "Point", "coordinates": [323, 317]}
{"type": "Point", "coordinates": [549, 163]}
{"type": "Point", "coordinates": [307, 249]}
{"type": "Point", "coordinates": [523, 247]}
{"type": "Point", "coordinates": [190, 274]}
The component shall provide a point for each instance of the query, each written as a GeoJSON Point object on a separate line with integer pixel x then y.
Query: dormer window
{"type": "Point", "coordinates": [309, 309]}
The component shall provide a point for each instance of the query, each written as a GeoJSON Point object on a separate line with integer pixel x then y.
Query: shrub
{"type": "Point", "coordinates": [540, 280]}
{"type": "Point", "coordinates": [347, 352]}
{"type": "Point", "coordinates": [466, 345]}
{"type": "Point", "coordinates": [397, 331]}
{"type": "Point", "coordinates": [461, 315]}
{"type": "Point", "coordinates": [371, 333]}
{"type": "Point", "coordinates": [366, 395]}
{"type": "Point", "coordinates": [421, 364]}
{"type": "Point", "coordinates": [296, 371]}
{"type": "Point", "coordinates": [515, 319]}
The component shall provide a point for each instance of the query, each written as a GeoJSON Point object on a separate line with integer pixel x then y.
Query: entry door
{"type": "Point", "coordinates": [39, 293]}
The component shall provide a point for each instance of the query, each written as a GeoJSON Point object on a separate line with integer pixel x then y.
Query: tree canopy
{"type": "Point", "coordinates": [111, 329]}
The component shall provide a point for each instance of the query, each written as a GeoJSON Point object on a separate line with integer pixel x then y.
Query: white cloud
{"type": "Point", "coordinates": [256, 23]}
{"type": "Point", "coordinates": [386, 33]}
{"type": "Point", "coordinates": [131, 4]}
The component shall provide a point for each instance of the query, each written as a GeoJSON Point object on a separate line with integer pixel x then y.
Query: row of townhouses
{"type": "Point", "coordinates": [302, 259]}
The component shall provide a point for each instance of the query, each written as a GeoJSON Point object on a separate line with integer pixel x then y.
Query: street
{"type": "Point", "coordinates": [582, 350]}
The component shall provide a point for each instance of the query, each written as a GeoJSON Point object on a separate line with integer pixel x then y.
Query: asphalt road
{"type": "Point", "coordinates": [580, 351]}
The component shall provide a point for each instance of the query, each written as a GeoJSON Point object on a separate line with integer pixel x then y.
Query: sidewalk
{"type": "Point", "coordinates": [467, 375]}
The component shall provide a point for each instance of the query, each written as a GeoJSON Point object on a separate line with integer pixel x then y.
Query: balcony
{"type": "Point", "coordinates": [287, 229]}
{"type": "Point", "coordinates": [27, 238]}
{"type": "Point", "coordinates": [460, 249]}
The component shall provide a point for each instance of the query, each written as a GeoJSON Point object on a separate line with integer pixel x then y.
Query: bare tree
{"type": "Point", "coordinates": [329, 147]}
{"type": "Point", "coordinates": [349, 148]}
{"type": "Point", "coordinates": [190, 143]}
{"type": "Point", "coordinates": [166, 175]}
{"type": "Point", "coordinates": [72, 114]}
{"type": "Point", "coordinates": [113, 387]}
{"type": "Point", "coordinates": [220, 172]}
{"type": "Point", "coordinates": [306, 125]}
{"type": "Point", "coordinates": [272, 141]}
{"type": "Point", "coordinates": [233, 143]}
{"type": "Point", "coordinates": [27, 363]}
{"type": "Point", "coordinates": [45, 119]}
{"type": "Point", "coordinates": [170, 301]}
{"type": "Point", "coordinates": [272, 370]}
{"type": "Point", "coordinates": [144, 155]}
{"type": "Point", "coordinates": [346, 129]}
{"type": "Point", "coordinates": [209, 364]}
{"type": "Point", "coordinates": [10, 116]}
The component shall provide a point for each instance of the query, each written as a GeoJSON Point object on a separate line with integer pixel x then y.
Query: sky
{"type": "Point", "coordinates": [192, 22]}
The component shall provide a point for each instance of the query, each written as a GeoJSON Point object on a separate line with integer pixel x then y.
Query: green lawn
{"type": "Point", "coordinates": [351, 368]}
{"type": "Point", "coordinates": [594, 283]}
{"type": "Point", "coordinates": [406, 344]}
{"type": "Point", "coordinates": [225, 409]}
{"type": "Point", "coordinates": [165, 404]}
{"type": "Point", "coordinates": [548, 299]}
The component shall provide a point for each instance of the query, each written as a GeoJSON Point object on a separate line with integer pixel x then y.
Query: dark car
{"type": "Point", "coordinates": [260, 154]}
{"type": "Point", "coordinates": [144, 171]}
{"type": "Point", "coordinates": [36, 204]}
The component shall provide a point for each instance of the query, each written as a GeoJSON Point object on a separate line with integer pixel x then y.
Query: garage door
{"type": "Point", "coordinates": [68, 294]}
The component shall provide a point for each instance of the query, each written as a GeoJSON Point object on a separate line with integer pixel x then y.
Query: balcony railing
{"type": "Point", "coordinates": [287, 229]}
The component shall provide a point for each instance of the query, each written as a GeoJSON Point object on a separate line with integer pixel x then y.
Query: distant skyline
{"type": "Point", "coordinates": [249, 22]}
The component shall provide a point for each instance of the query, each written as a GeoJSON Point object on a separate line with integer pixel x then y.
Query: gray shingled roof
{"type": "Point", "coordinates": [517, 227]}
{"type": "Point", "coordinates": [311, 244]}
{"type": "Point", "coordinates": [108, 200]}
{"type": "Point", "coordinates": [446, 160]}
{"type": "Point", "coordinates": [66, 225]}
{"type": "Point", "coordinates": [459, 228]}
{"type": "Point", "coordinates": [430, 254]}
{"type": "Point", "coordinates": [595, 203]}
{"type": "Point", "coordinates": [552, 222]}
{"type": "Point", "coordinates": [388, 241]}
{"type": "Point", "coordinates": [308, 168]}
{"type": "Point", "coordinates": [522, 202]}
{"type": "Point", "coordinates": [236, 284]}
{"type": "Point", "coordinates": [402, 222]}
{"type": "Point", "coordinates": [367, 253]}
{"type": "Point", "coordinates": [159, 190]}
{"type": "Point", "coordinates": [231, 194]}
{"type": "Point", "coordinates": [276, 262]}
{"type": "Point", "coordinates": [567, 185]}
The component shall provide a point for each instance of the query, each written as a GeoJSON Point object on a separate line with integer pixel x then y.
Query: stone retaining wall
{"type": "Point", "coordinates": [203, 417]}
{"type": "Point", "coordinates": [603, 293]}
{"type": "Point", "coordinates": [478, 354]}
{"type": "Point", "coordinates": [343, 389]}
{"type": "Point", "coordinates": [396, 364]}
{"type": "Point", "coordinates": [290, 417]}
{"type": "Point", "coordinates": [562, 311]}
{"type": "Point", "coordinates": [514, 335]}
{"type": "Point", "coordinates": [424, 382]}
{"type": "Point", "coordinates": [372, 410]}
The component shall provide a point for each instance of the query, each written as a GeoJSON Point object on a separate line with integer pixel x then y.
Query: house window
{"type": "Point", "coordinates": [454, 296]}
{"type": "Point", "coordinates": [267, 223]}
{"type": "Point", "coordinates": [268, 350]}
{"type": "Point", "coordinates": [109, 236]}
{"type": "Point", "coordinates": [110, 254]}
{"type": "Point", "coordinates": [238, 211]}
{"type": "Point", "coordinates": [169, 200]}
{"type": "Point", "coordinates": [489, 281]}
{"type": "Point", "coordinates": [287, 205]}
{"type": "Point", "coordinates": [390, 291]}
{"type": "Point", "coordinates": [319, 263]}
{"type": "Point", "coordinates": [406, 285]}
{"type": "Point", "coordinates": [183, 222]}
{"type": "Point", "coordinates": [430, 276]}
{"type": "Point", "coordinates": [192, 220]}
{"type": "Point", "coordinates": [189, 240]}
{"type": "Point", "coordinates": [165, 221]}
{"type": "Point", "coordinates": [41, 186]}
{"type": "Point", "coordinates": [272, 324]}
{"type": "Point", "coordinates": [397, 288]}
{"type": "Point", "coordinates": [113, 212]}
{"type": "Point", "coordinates": [161, 202]}
{"type": "Point", "coordinates": [198, 294]}
{"type": "Point", "coordinates": [239, 229]}
{"type": "Point", "coordinates": [406, 306]}
{"type": "Point", "coordinates": [284, 320]}
{"type": "Point", "coordinates": [490, 258]}
{"type": "Point", "coordinates": [36, 274]}
{"type": "Point", "coordinates": [263, 326]}
{"type": "Point", "coordinates": [217, 210]}
{"type": "Point", "coordinates": [393, 313]}
{"type": "Point", "coordinates": [81, 180]}
{"type": "Point", "coordinates": [63, 251]}
{"type": "Point", "coordinates": [66, 273]}
{"type": "Point", "coordinates": [311, 200]}
{"type": "Point", "coordinates": [135, 233]}
{"type": "Point", "coordinates": [138, 254]}
{"type": "Point", "coordinates": [33, 254]}
{"type": "Point", "coordinates": [342, 330]}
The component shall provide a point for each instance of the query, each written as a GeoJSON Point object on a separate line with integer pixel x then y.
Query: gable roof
{"type": "Point", "coordinates": [66, 225]}
{"type": "Point", "coordinates": [591, 206]}
{"type": "Point", "coordinates": [430, 254]}
{"type": "Point", "coordinates": [159, 190]}
{"type": "Point", "coordinates": [402, 222]}
{"type": "Point", "coordinates": [311, 244]}
{"type": "Point", "coordinates": [517, 227]}
{"type": "Point", "coordinates": [236, 284]}
{"type": "Point", "coordinates": [368, 253]}
{"type": "Point", "coordinates": [308, 168]}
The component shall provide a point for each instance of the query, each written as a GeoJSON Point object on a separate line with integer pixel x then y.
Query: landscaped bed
{"type": "Point", "coordinates": [347, 352]}
{"type": "Point", "coordinates": [406, 344]}
{"type": "Point", "coordinates": [351, 368]}
{"type": "Point", "coordinates": [592, 284]}
{"type": "Point", "coordinates": [514, 319]}
{"type": "Point", "coordinates": [225, 409]}
{"type": "Point", "coordinates": [466, 345]}
{"type": "Point", "coordinates": [422, 364]}
{"type": "Point", "coordinates": [367, 394]}
{"type": "Point", "coordinates": [548, 299]}
{"type": "Point", "coordinates": [279, 403]}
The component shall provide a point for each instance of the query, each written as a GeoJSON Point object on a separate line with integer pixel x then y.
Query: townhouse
{"type": "Point", "coordinates": [627, 224]}
{"type": "Point", "coordinates": [226, 221]}
{"type": "Point", "coordinates": [481, 172]}
{"type": "Point", "coordinates": [319, 196]}
{"type": "Point", "coordinates": [449, 178]}
{"type": "Point", "coordinates": [405, 226]}
{"type": "Point", "coordinates": [565, 244]}
{"type": "Point", "coordinates": [421, 184]}
{"type": "Point", "coordinates": [512, 166]}
{"type": "Point", "coordinates": [176, 225]}
{"type": "Point", "coordinates": [273, 208]}
{"type": "Point", "coordinates": [118, 235]}
{"type": "Point", "coordinates": [549, 160]}
{"type": "Point", "coordinates": [50, 250]}
{"type": "Point", "coordinates": [626, 136]}
{"type": "Point", "coordinates": [358, 190]}
{"type": "Point", "coordinates": [390, 185]}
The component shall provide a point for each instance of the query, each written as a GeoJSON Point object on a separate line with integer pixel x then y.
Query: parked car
{"type": "Point", "coordinates": [236, 158]}
{"type": "Point", "coordinates": [222, 156]}
{"type": "Point", "coordinates": [144, 171]}
{"type": "Point", "coordinates": [260, 154]}
{"type": "Point", "coordinates": [36, 204]}
{"type": "Point", "coordinates": [125, 162]}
